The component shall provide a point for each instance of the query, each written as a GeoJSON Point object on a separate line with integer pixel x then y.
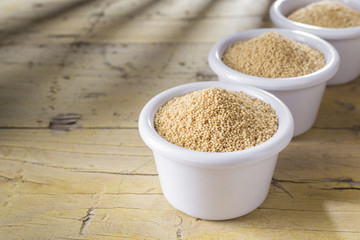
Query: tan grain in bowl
{"type": "Point", "coordinates": [216, 120]}
{"type": "Point", "coordinates": [272, 55]}
{"type": "Point", "coordinates": [329, 14]}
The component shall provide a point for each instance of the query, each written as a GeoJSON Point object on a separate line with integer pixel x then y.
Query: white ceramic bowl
{"type": "Point", "coordinates": [301, 94]}
{"type": "Point", "coordinates": [215, 186]}
{"type": "Point", "coordinates": [345, 40]}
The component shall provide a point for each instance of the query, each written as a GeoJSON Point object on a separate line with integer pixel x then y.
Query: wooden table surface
{"type": "Point", "coordinates": [74, 75]}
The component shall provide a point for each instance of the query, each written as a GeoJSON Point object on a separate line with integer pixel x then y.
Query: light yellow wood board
{"type": "Point", "coordinates": [105, 60]}
{"type": "Point", "coordinates": [53, 179]}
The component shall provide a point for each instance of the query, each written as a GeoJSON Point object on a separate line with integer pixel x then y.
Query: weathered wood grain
{"type": "Point", "coordinates": [108, 84]}
{"type": "Point", "coordinates": [62, 175]}
{"type": "Point", "coordinates": [74, 76]}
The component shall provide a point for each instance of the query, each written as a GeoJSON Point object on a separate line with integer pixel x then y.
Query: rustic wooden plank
{"type": "Point", "coordinates": [106, 92]}
{"type": "Point", "coordinates": [108, 84]}
{"type": "Point", "coordinates": [130, 210]}
{"type": "Point", "coordinates": [48, 78]}
{"type": "Point", "coordinates": [123, 149]}
{"type": "Point", "coordinates": [186, 21]}
{"type": "Point", "coordinates": [165, 223]}
{"type": "Point", "coordinates": [90, 66]}
{"type": "Point", "coordinates": [340, 106]}
{"type": "Point", "coordinates": [120, 213]}
{"type": "Point", "coordinates": [42, 21]}
{"type": "Point", "coordinates": [133, 21]}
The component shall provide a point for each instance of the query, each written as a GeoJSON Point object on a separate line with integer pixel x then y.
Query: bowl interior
{"type": "Point", "coordinates": [294, 35]}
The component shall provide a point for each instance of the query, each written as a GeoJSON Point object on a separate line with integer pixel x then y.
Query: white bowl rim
{"type": "Point", "coordinates": [279, 19]}
{"type": "Point", "coordinates": [215, 159]}
{"type": "Point", "coordinates": [278, 84]}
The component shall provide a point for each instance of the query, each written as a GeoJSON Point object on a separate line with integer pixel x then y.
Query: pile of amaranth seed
{"type": "Point", "coordinates": [328, 14]}
{"type": "Point", "coordinates": [271, 55]}
{"type": "Point", "coordinates": [216, 120]}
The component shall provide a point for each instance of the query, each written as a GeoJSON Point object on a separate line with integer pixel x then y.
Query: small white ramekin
{"type": "Point", "coordinates": [209, 185]}
{"type": "Point", "coordinates": [345, 40]}
{"type": "Point", "coordinates": [301, 94]}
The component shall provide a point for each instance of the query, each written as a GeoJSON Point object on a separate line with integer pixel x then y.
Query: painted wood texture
{"type": "Point", "coordinates": [74, 75]}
